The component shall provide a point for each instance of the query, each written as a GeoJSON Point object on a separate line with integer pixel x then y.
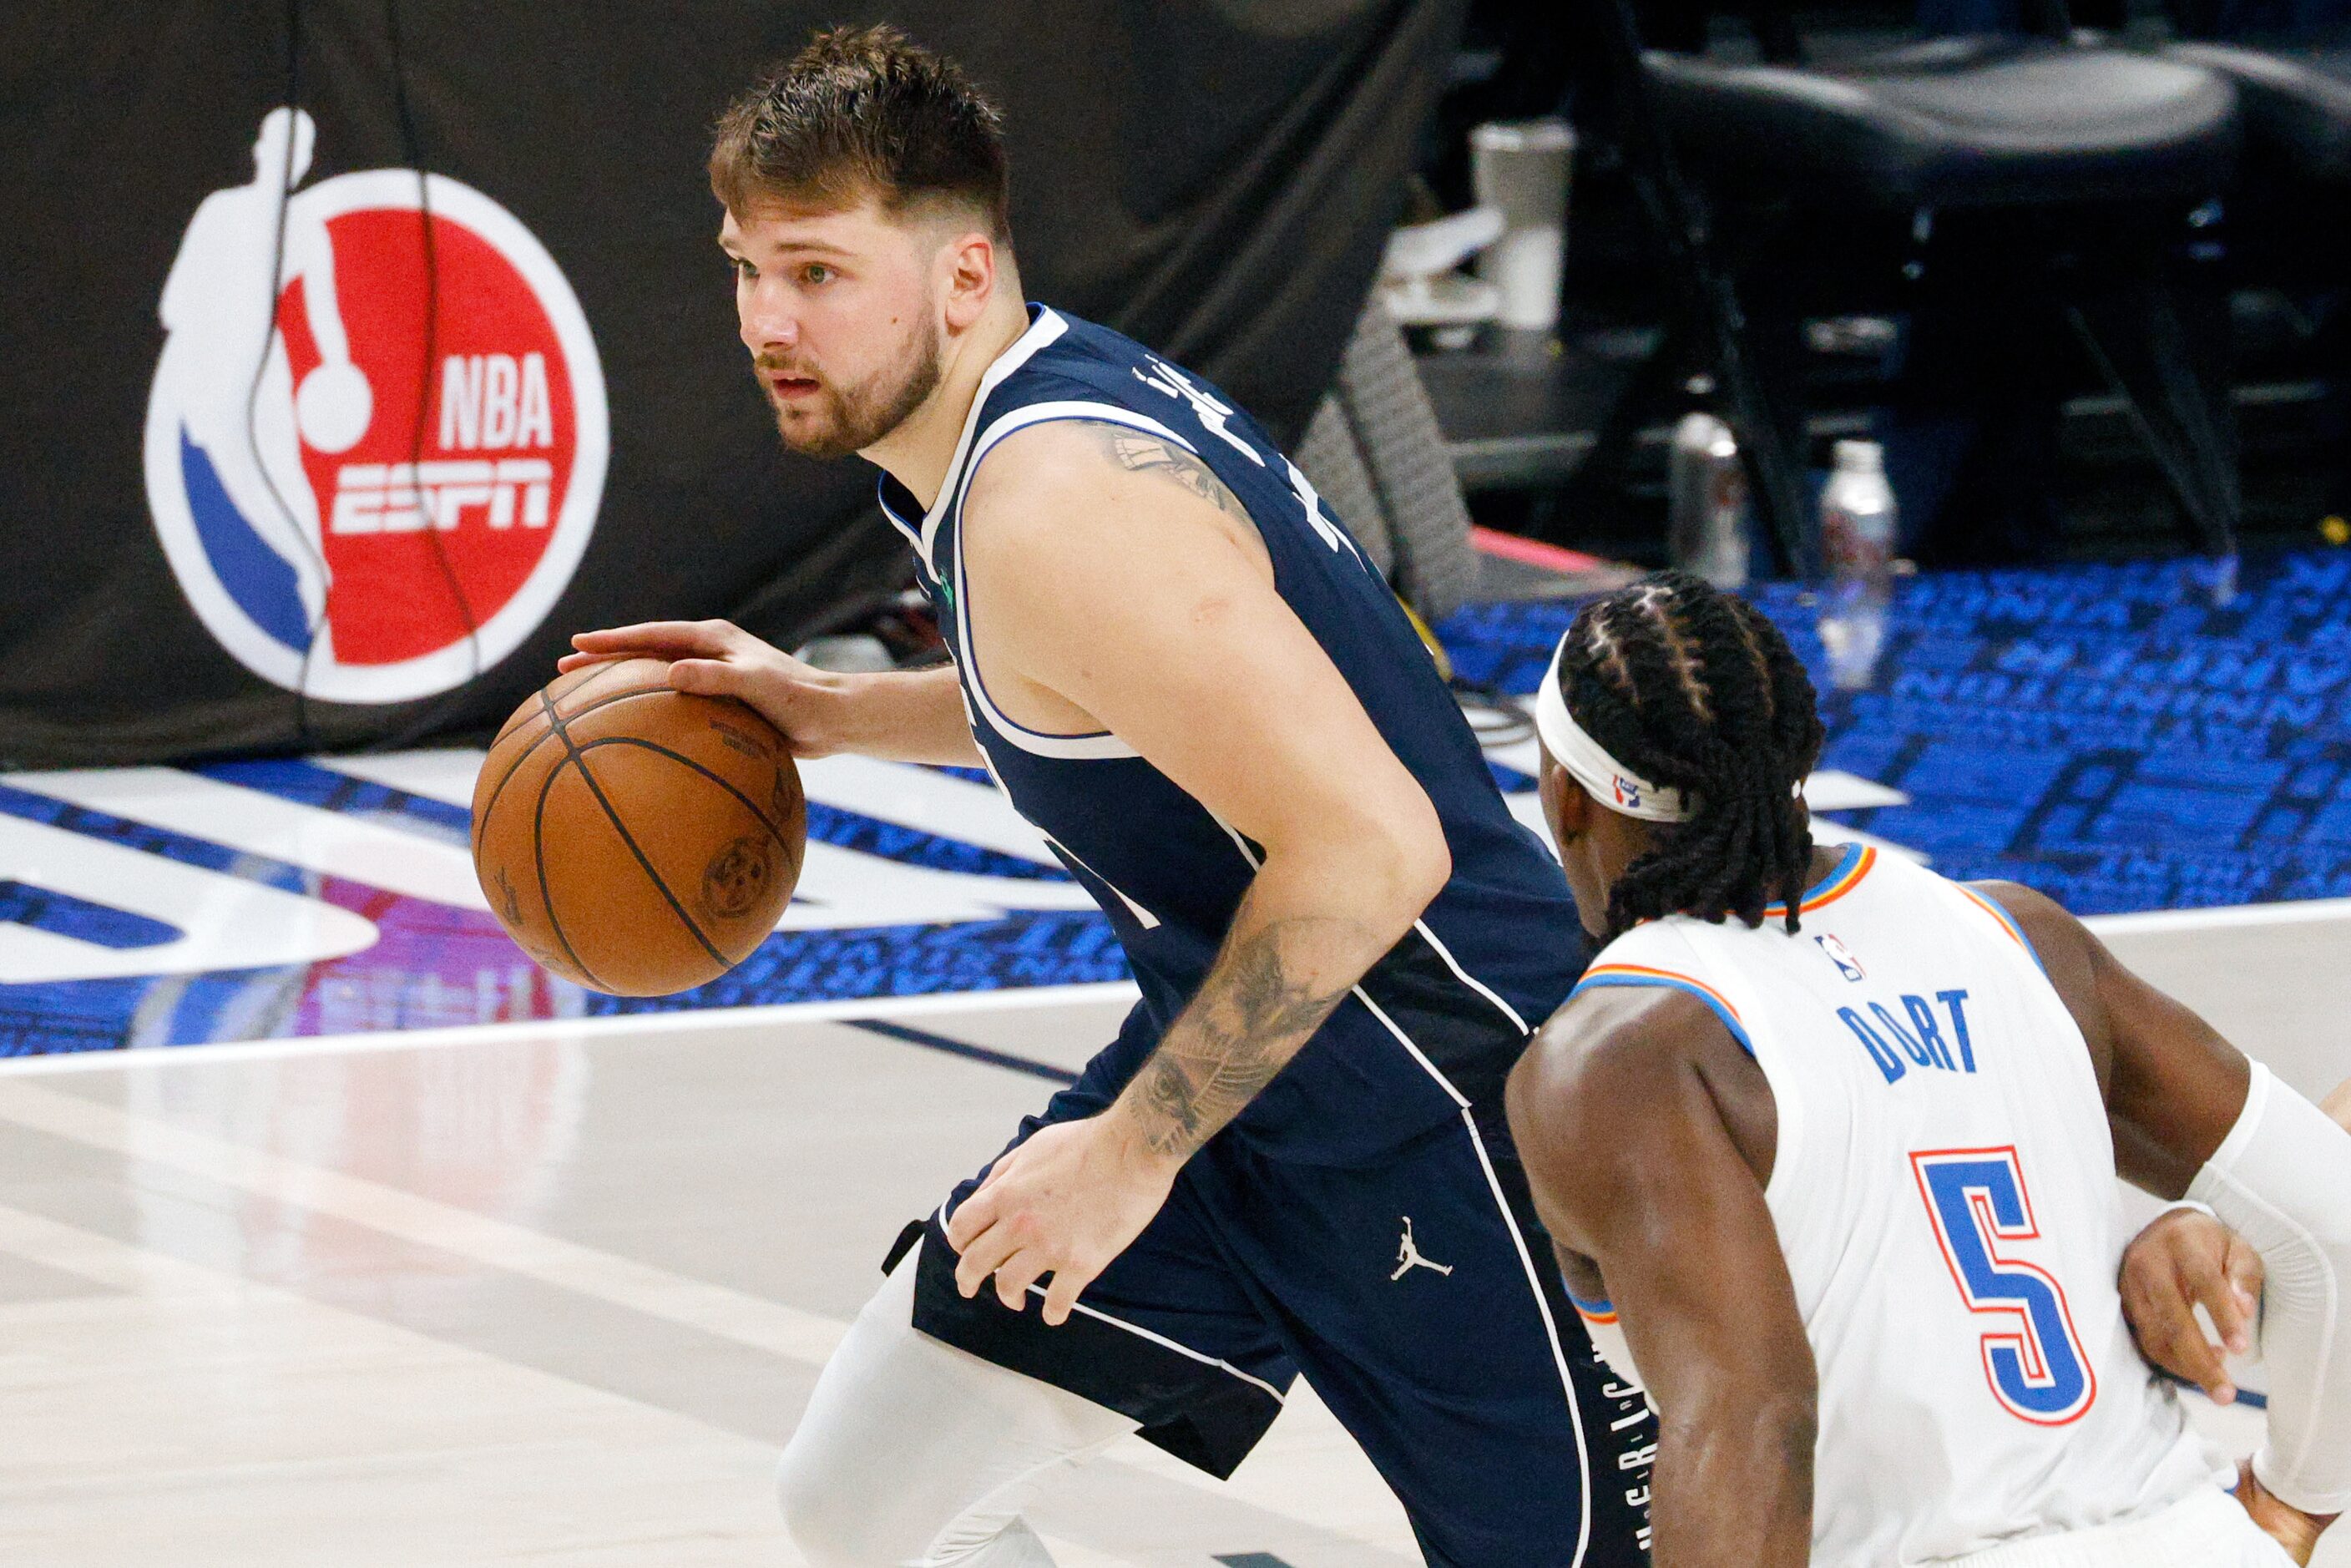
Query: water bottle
{"type": "Point", "coordinates": [1857, 536]}
{"type": "Point", "coordinates": [1706, 502]}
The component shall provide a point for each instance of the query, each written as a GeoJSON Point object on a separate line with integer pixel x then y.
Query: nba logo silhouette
{"type": "Point", "coordinates": [1842, 956]}
{"type": "Point", "coordinates": [376, 441]}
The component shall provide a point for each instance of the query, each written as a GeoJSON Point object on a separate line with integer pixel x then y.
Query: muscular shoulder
{"type": "Point", "coordinates": [1611, 1043]}
{"type": "Point", "coordinates": [1618, 1075]}
{"type": "Point", "coordinates": [2069, 955]}
{"type": "Point", "coordinates": [1097, 473]}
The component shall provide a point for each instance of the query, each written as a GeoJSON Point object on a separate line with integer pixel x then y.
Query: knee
{"type": "Point", "coordinates": [831, 1513]}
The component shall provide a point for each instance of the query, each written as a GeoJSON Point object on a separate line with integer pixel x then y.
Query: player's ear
{"type": "Point", "coordinates": [1565, 806]}
{"type": "Point", "coordinates": [970, 262]}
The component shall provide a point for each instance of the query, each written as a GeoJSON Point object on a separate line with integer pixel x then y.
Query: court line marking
{"type": "Point", "coordinates": [761, 1324]}
{"type": "Point", "coordinates": [2301, 912]}
{"type": "Point", "coordinates": [496, 1244]}
{"type": "Point", "coordinates": [888, 1030]}
{"type": "Point", "coordinates": [523, 1031]}
{"type": "Point", "coordinates": [2148, 922]}
{"type": "Point", "coordinates": [197, 1301]}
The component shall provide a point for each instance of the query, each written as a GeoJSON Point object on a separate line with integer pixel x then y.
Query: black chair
{"type": "Point", "coordinates": [2044, 165]}
{"type": "Point", "coordinates": [2292, 210]}
{"type": "Point", "coordinates": [2294, 97]}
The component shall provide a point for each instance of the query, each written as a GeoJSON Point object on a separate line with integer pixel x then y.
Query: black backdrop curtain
{"type": "Point", "coordinates": [1215, 177]}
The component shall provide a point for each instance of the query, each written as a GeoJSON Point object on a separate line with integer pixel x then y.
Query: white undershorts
{"type": "Point", "coordinates": [2208, 1528]}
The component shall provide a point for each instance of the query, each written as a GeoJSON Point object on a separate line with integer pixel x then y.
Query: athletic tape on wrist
{"type": "Point", "coordinates": [1603, 777]}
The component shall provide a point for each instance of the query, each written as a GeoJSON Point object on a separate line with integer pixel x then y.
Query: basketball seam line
{"type": "Point", "coordinates": [585, 678]}
{"type": "Point", "coordinates": [628, 839]}
{"type": "Point", "coordinates": [682, 760]}
{"type": "Point", "coordinates": [685, 761]}
{"type": "Point", "coordinates": [530, 750]}
{"type": "Point", "coordinates": [539, 855]}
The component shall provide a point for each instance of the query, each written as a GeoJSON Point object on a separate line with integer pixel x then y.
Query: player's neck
{"type": "Point", "coordinates": [918, 452]}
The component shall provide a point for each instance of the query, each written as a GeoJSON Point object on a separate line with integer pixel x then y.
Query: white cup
{"type": "Point", "coordinates": [1520, 168]}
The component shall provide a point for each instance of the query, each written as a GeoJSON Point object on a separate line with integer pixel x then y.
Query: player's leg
{"type": "Point", "coordinates": [913, 1451]}
{"type": "Point", "coordinates": [938, 1420]}
{"type": "Point", "coordinates": [1447, 1348]}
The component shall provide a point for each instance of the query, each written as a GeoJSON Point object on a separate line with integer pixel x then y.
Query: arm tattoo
{"type": "Point", "coordinates": [1140, 453]}
{"type": "Point", "coordinates": [1249, 1019]}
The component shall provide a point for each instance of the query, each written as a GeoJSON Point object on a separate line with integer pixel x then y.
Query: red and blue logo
{"type": "Point", "coordinates": [376, 441]}
{"type": "Point", "coordinates": [1842, 956]}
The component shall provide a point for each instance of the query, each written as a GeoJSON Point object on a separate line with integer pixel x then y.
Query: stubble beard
{"type": "Point", "coordinates": [865, 414]}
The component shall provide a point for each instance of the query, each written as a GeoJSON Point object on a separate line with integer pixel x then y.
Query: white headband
{"type": "Point", "coordinates": [1603, 777]}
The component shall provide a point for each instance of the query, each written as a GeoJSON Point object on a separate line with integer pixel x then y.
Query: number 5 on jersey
{"type": "Point", "coordinates": [1977, 1200]}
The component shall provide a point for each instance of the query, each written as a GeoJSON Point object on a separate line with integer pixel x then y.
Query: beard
{"type": "Point", "coordinates": [846, 420]}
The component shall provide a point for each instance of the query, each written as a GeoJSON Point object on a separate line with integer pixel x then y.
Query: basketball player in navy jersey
{"type": "Point", "coordinates": [1183, 670]}
{"type": "Point", "coordinates": [1179, 667]}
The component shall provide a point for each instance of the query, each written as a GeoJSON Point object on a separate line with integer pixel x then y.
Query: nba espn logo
{"type": "Point", "coordinates": [376, 441]}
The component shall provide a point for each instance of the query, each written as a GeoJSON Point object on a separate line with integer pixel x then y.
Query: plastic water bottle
{"type": "Point", "coordinates": [1857, 533]}
{"type": "Point", "coordinates": [1706, 502]}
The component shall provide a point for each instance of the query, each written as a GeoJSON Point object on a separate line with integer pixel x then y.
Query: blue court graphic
{"type": "Point", "coordinates": [2100, 733]}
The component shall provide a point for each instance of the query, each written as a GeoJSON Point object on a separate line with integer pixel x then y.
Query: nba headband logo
{"type": "Point", "coordinates": [1603, 777]}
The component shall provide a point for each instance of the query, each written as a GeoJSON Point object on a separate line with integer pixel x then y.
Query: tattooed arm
{"type": "Point", "coordinates": [1277, 979]}
{"type": "Point", "coordinates": [1113, 583]}
{"type": "Point", "coordinates": [1140, 453]}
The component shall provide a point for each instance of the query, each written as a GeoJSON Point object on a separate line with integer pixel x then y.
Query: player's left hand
{"type": "Point", "coordinates": [2184, 1258]}
{"type": "Point", "coordinates": [1065, 1202]}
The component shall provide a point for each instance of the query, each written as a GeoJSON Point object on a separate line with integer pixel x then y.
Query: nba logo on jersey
{"type": "Point", "coordinates": [376, 440]}
{"type": "Point", "coordinates": [1842, 956]}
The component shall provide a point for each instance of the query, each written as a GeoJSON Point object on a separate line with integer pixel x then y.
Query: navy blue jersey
{"type": "Point", "coordinates": [1438, 1021]}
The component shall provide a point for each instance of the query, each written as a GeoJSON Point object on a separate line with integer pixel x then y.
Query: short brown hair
{"type": "Point", "coordinates": [863, 111]}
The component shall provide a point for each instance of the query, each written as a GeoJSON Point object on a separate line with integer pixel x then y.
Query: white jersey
{"type": "Point", "coordinates": [1944, 1191]}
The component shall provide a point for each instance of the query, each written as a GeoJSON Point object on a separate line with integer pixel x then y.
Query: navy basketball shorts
{"type": "Point", "coordinates": [1418, 1296]}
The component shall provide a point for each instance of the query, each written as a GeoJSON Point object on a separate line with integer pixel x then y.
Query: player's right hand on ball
{"type": "Point", "coordinates": [719, 659]}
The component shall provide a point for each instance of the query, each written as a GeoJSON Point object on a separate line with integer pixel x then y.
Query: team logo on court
{"type": "Point", "coordinates": [376, 439]}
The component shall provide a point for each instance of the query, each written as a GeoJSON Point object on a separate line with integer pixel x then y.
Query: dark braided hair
{"type": "Point", "coordinates": [1692, 688]}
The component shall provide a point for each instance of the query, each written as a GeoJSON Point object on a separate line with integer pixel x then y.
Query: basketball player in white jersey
{"type": "Point", "coordinates": [1837, 1172]}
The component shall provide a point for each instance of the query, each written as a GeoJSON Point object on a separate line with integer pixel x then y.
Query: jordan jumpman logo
{"type": "Point", "coordinates": [1408, 1256]}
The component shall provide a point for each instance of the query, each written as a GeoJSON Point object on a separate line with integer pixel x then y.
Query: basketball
{"type": "Point", "coordinates": [636, 840]}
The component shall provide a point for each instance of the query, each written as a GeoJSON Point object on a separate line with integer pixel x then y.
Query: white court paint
{"type": "Point", "coordinates": [839, 888]}
{"type": "Point", "coordinates": [501, 1247]}
{"type": "Point", "coordinates": [909, 1009]}
{"type": "Point", "coordinates": [2150, 922]}
{"type": "Point", "coordinates": [221, 922]}
{"type": "Point", "coordinates": [333, 843]}
{"type": "Point", "coordinates": [642, 1025]}
{"type": "Point", "coordinates": [918, 797]}
{"type": "Point", "coordinates": [753, 1321]}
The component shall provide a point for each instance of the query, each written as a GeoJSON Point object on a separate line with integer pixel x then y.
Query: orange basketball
{"type": "Point", "coordinates": [634, 839]}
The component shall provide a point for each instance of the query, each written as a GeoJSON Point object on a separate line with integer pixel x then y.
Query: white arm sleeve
{"type": "Point", "coordinates": [2282, 1179]}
